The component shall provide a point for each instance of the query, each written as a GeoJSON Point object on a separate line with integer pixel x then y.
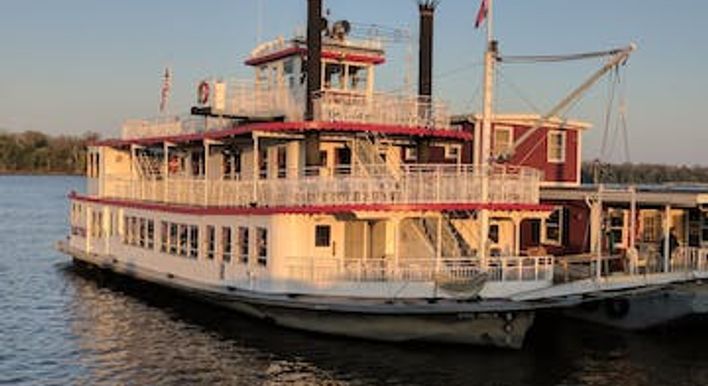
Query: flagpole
{"type": "Point", "coordinates": [485, 156]}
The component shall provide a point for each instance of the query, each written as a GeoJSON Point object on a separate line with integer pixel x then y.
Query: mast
{"type": "Point", "coordinates": [484, 157]}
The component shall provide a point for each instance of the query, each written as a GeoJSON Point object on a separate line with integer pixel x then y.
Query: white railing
{"type": "Point", "coordinates": [689, 259]}
{"type": "Point", "coordinates": [246, 98]}
{"type": "Point", "coordinates": [171, 126]}
{"type": "Point", "coordinates": [416, 184]}
{"type": "Point", "coordinates": [384, 109]}
{"type": "Point", "coordinates": [500, 269]}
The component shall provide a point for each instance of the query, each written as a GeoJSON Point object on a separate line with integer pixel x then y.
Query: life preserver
{"type": "Point", "coordinates": [617, 308]}
{"type": "Point", "coordinates": [203, 92]}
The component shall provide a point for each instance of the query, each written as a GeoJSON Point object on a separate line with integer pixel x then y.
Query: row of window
{"type": "Point", "coordinates": [234, 243]}
{"type": "Point", "coordinates": [179, 239]}
{"type": "Point", "coordinates": [504, 140]}
{"type": "Point", "coordinates": [138, 232]}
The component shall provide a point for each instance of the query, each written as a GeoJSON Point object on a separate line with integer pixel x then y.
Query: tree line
{"type": "Point", "coordinates": [38, 153]}
{"type": "Point", "coordinates": [629, 173]}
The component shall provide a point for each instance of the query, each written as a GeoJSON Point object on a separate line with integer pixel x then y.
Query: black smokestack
{"type": "Point", "coordinates": [314, 52]}
{"type": "Point", "coordinates": [425, 58]}
{"type": "Point", "coordinates": [425, 67]}
{"type": "Point", "coordinates": [314, 73]}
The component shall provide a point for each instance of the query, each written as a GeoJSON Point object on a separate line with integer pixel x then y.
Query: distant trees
{"type": "Point", "coordinates": [35, 152]}
{"type": "Point", "coordinates": [644, 173]}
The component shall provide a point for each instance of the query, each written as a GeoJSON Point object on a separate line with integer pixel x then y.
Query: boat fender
{"type": "Point", "coordinates": [617, 308]}
{"type": "Point", "coordinates": [203, 92]}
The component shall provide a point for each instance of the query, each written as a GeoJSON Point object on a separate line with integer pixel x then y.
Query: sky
{"type": "Point", "coordinates": [72, 66]}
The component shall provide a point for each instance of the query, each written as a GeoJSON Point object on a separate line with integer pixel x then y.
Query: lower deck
{"type": "Point", "coordinates": [403, 254]}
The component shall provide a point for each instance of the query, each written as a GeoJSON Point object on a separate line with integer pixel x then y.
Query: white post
{"type": "Point", "coordinates": [633, 217]}
{"type": "Point", "coordinates": [438, 247]}
{"type": "Point", "coordinates": [667, 235]}
{"type": "Point", "coordinates": [166, 170]}
{"type": "Point", "coordinates": [517, 235]}
{"type": "Point", "coordinates": [206, 172]}
{"type": "Point", "coordinates": [598, 264]}
{"type": "Point", "coordinates": [256, 167]}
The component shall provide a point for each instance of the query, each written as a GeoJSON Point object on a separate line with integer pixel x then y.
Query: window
{"type": "Point", "coordinates": [282, 157]}
{"type": "Point", "coordinates": [226, 244]}
{"type": "Point", "coordinates": [164, 236]}
{"type": "Point", "coordinates": [231, 167]}
{"type": "Point", "coordinates": [193, 241]}
{"type": "Point", "coordinates": [263, 163]}
{"type": "Point", "coordinates": [452, 152]}
{"type": "Point", "coordinates": [323, 235]}
{"type": "Point", "coordinates": [503, 137]}
{"type": "Point", "coordinates": [150, 234]}
{"type": "Point", "coordinates": [243, 244]}
{"type": "Point", "coordinates": [262, 239]}
{"type": "Point", "coordinates": [183, 239]}
{"type": "Point", "coordinates": [210, 242]}
{"type": "Point", "coordinates": [173, 238]}
{"type": "Point", "coordinates": [410, 153]}
{"type": "Point", "coordinates": [705, 228]}
{"type": "Point", "coordinates": [553, 229]}
{"type": "Point", "coordinates": [357, 76]}
{"type": "Point", "coordinates": [556, 146]}
{"type": "Point", "coordinates": [334, 76]}
{"type": "Point", "coordinates": [142, 226]}
{"type": "Point", "coordinates": [494, 233]}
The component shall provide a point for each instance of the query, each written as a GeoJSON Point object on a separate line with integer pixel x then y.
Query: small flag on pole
{"type": "Point", "coordinates": [482, 13]}
{"type": "Point", "coordinates": [165, 90]}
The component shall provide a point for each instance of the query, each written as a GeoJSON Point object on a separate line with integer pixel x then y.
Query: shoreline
{"type": "Point", "coordinates": [29, 173]}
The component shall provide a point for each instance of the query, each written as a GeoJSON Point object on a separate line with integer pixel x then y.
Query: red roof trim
{"type": "Point", "coordinates": [294, 127]}
{"type": "Point", "coordinates": [290, 51]}
{"type": "Point", "coordinates": [317, 209]}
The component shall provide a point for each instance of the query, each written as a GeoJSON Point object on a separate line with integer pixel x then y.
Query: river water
{"type": "Point", "coordinates": [61, 325]}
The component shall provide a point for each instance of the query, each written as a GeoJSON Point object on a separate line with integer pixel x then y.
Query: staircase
{"type": "Point", "coordinates": [453, 244]}
{"type": "Point", "coordinates": [148, 167]}
{"type": "Point", "coordinates": [367, 159]}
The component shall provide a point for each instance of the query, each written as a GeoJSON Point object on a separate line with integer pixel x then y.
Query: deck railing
{"type": "Point", "coordinates": [416, 184]}
{"type": "Point", "coordinates": [383, 109]}
{"type": "Point", "coordinates": [499, 269]}
{"type": "Point", "coordinates": [239, 98]}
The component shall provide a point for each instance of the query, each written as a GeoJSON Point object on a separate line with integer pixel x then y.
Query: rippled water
{"type": "Point", "coordinates": [62, 325]}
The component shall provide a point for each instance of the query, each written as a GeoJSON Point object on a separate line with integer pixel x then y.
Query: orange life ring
{"type": "Point", "coordinates": [203, 92]}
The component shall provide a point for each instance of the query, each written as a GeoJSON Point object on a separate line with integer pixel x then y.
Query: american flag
{"type": "Point", "coordinates": [165, 90]}
{"type": "Point", "coordinates": [482, 13]}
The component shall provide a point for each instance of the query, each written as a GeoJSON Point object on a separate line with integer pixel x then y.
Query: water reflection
{"type": "Point", "coordinates": [138, 333]}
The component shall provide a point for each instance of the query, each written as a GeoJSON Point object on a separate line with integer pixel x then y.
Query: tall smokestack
{"type": "Point", "coordinates": [425, 66]}
{"type": "Point", "coordinates": [425, 55]}
{"type": "Point", "coordinates": [314, 73]}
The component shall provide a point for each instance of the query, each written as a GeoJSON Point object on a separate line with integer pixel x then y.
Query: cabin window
{"type": "Point", "coordinates": [150, 234]}
{"type": "Point", "coordinates": [334, 76]}
{"type": "Point", "coordinates": [494, 233]}
{"type": "Point", "coordinates": [142, 226]}
{"type": "Point", "coordinates": [323, 235]}
{"type": "Point", "coordinates": [243, 244]}
{"type": "Point", "coordinates": [705, 228]}
{"type": "Point", "coordinates": [173, 238]}
{"type": "Point", "coordinates": [231, 166]}
{"type": "Point", "coordinates": [164, 236]}
{"type": "Point", "coordinates": [282, 158]}
{"type": "Point", "coordinates": [183, 239]}
{"type": "Point", "coordinates": [452, 152]}
{"type": "Point", "coordinates": [263, 163]}
{"type": "Point", "coordinates": [410, 153]}
{"type": "Point", "coordinates": [226, 244]}
{"type": "Point", "coordinates": [289, 71]}
{"type": "Point", "coordinates": [503, 137]}
{"type": "Point", "coordinates": [556, 146]}
{"type": "Point", "coordinates": [357, 78]}
{"type": "Point", "coordinates": [210, 242]}
{"type": "Point", "coordinates": [553, 227]}
{"type": "Point", "coordinates": [262, 242]}
{"type": "Point", "coordinates": [193, 241]}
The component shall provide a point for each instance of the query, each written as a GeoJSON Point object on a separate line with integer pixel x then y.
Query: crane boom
{"type": "Point", "coordinates": [618, 58]}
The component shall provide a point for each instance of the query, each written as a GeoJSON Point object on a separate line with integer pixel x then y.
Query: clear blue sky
{"type": "Point", "coordinates": [76, 65]}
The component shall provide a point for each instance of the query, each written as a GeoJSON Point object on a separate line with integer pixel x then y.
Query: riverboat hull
{"type": "Point", "coordinates": [476, 322]}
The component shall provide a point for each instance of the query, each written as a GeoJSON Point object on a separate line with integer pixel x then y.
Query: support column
{"type": "Point", "coordinates": [517, 235]}
{"type": "Point", "coordinates": [166, 170]}
{"type": "Point", "coordinates": [89, 227]}
{"type": "Point", "coordinates": [438, 246]}
{"type": "Point", "coordinates": [667, 234]}
{"type": "Point", "coordinates": [256, 168]}
{"type": "Point", "coordinates": [206, 172]}
{"type": "Point", "coordinates": [598, 263]}
{"type": "Point", "coordinates": [483, 238]}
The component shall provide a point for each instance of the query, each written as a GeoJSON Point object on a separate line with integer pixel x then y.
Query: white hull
{"type": "Point", "coordinates": [478, 322]}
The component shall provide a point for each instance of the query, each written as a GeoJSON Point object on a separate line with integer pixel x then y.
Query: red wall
{"type": "Point", "coordinates": [534, 153]}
